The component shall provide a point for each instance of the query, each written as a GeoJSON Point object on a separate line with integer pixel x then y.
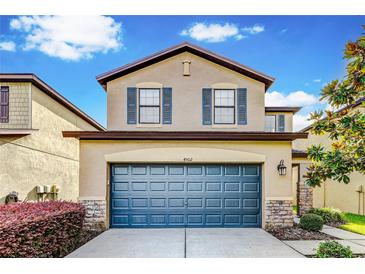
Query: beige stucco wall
{"type": "Point", "coordinates": [44, 157]}
{"type": "Point", "coordinates": [295, 175]}
{"type": "Point", "coordinates": [95, 156]}
{"type": "Point", "coordinates": [19, 105]}
{"type": "Point", "coordinates": [288, 120]}
{"type": "Point", "coordinates": [332, 193]}
{"type": "Point", "coordinates": [186, 94]}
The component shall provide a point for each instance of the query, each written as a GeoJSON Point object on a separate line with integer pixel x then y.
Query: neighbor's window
{"type": "Point", "coordinates": [224, 106]}
{"type": "Point", "coordinates": [270, 123]}
{"type": "Point", "coordinates": [149, 106]}
{"type": "Point", "coordinates": [4, 104]}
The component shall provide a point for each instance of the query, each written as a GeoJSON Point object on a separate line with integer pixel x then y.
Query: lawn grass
{"type": "Point", "coordinates": [354, 223]}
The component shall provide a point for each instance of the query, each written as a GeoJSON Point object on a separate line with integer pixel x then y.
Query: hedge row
{"type": "Point", "coordinates": [44, 229]}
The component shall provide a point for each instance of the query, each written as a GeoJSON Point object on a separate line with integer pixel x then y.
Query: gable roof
{"type": "Point", "coordinates": [184, 47]}
{"type": "Point", "coordinates": [32, 78]}
{"type": "Point", "coordinates": [356, 104]}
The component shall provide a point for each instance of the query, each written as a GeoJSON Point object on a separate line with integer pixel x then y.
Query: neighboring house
{"type": "Point", "coordinates": [189, 142]}
{"type": "Point", "coordinates": [32, 149]}
{"type": "Point", "coordinates": [332, 193]}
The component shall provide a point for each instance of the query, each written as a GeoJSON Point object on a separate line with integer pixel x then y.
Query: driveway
{"type": "Point", "coordinates": [185, 243]}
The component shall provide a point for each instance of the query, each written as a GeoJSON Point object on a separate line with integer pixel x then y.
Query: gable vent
{"type": "Point", "coordinates": [186, 66]}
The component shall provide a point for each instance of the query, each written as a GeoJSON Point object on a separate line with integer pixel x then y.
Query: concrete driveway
{"type": "Point", "coordinates": [185, 243]}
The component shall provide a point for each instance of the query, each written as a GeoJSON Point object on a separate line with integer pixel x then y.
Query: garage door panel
{"type": "Point", "coordinates": [157, 186]}
{"type": "Point", "coordinates": [139, 170]}
{"type": "Point", "coordinates": [213, 186]}
{"type": "Point", "coordinates": [176, 170]}
{"type": "Point", "coordinates": [185, 195]}
{"type": "Point", "coordinates": [194, 186]}
{"type": "Point", "coordinates": [176, 186]}
{"type": "Point", "coordinates": [214, 170]}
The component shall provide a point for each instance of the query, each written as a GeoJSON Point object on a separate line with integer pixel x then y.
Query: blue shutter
{"type": "Point", "coordinates": [207, 106]}
{"type": "Point", "coordinates": [132, 105]}
{"type": "Point", "coordinates": [281, 123]}
{"type": "Point", "coordinates": [242, 106]}
{"type": "Point", "coordinates": [4, 104]}
{"type": "Point", "coordinates": [167, 105]}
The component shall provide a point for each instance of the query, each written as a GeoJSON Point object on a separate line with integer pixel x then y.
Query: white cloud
{"type": "Point", "coordinates": [317, 80]}
{"type": "Point", "coordinates": [69, 37]}
{"type": "Point", "coordinates": [239, 37]}
{"type": "Point", "coordinates": [283, 31]}
{"type": "Point", "coordinates": [300, 122]}
{"type": "Point", "coordinates": [214, 32]}
{"type": "Point", "coordinates": [7, 46]}
{"type": "Point", "coordinates": [211, 32]}
{"type": "Point", "coordinates": [255, 29]}
{"type": "Point", "coordinates": [296, 98]}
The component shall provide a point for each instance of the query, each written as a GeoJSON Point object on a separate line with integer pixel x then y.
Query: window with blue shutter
{"type": "Point", "coordinates": [167, 105]}
{"type": "Point", "coordinates": [242, 106]}
{"type": "Point", "coordinates": [131, 105]}
{"type": "Point", "coordinates": [4, 104]}
{"type": "Point", "coordinates": [281, 123]}
{"type": "Point", "coordinates": [207, 106]}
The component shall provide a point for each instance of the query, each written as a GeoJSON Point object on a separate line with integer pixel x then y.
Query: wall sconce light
{"type": "Point", "coordinates": [282, 168]}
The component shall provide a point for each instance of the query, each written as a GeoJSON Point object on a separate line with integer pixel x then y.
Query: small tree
{"type": "Point", "coordinates": [345, 128]}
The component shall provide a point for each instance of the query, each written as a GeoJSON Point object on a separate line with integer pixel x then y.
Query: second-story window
{"type": "Point", "coordinates": [270, 123]}
{"type": "Point", "coordinates": [149, 106]}
{"type": "Point", "coordinates": [224, 106]}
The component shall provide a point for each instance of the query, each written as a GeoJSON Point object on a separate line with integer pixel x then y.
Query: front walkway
{"type": "Point", "coordinates": [185, 243]}
{"type": "Point", "coordinates": [355, 241]}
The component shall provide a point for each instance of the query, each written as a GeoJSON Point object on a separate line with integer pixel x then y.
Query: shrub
{"type": "Point", "coordinates": [333, 249]}
{"type": "Point", "coordinates": [329, 215]}
{"type": "Point", "coordinates": [311, 222]}
{"type": "Point", "coordinates": [44, 229]}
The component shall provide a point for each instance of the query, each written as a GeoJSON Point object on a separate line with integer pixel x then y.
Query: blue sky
{"type": "Point", "coordinates": [301, 52]}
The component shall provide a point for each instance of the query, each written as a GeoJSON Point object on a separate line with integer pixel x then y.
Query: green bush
{"type": "Point", "coordinates": [329, 215]}
{"type": "Point", "coordinates": [311, 222]}
{"type": "Point", "coordinates": [333, 249]}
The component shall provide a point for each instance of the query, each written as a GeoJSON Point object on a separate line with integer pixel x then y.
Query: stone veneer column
{"type": "Point", "coordinates": [95, 217]}
{"type": "Point", "coordinates": [305, 198]}
{"type": "Point", "coordinates": [279, 213]}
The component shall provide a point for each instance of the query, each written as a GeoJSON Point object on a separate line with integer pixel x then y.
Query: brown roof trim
{"type": "Point", "coordinates": [32, 78]}
{"type": "Point", "coordinates": [283, 109]}
{"type": "Point", "coordinates": [15, 132]}
{"type": "Point", "coordinates": [298, 153]}
{"type": "Point", "coordinates": [172, 51]}
{"type": "Point", "coordinates": [185, 135]}
{"type": "Point", "coordinates": [357, 103]}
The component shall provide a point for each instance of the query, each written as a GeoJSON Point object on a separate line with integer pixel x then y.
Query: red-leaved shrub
{"type": "Point", "coordinates": [44, 229]}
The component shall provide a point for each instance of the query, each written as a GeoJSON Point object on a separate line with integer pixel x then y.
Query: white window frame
{"type": "Point", "coordinates": [233, 106]}
{"type": "Point", "coordinates": [147, 106]}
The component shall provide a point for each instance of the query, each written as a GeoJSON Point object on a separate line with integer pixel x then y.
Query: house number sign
{"type": "Point", "coordinates": [188, 159]}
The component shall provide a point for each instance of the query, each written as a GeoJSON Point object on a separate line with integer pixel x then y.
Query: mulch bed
{"type": "Point", "coordinates": [296, 233]}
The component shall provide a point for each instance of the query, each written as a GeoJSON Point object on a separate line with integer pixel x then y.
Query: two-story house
{"type": "Point", "coordinates": [33, 152]}
{"type": "Point", "coordinates": [189, 142]}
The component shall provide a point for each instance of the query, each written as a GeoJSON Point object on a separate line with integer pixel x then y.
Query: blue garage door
{"type": "Point", "coordinates": [185, 196]}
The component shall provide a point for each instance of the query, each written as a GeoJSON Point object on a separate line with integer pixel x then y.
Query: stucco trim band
{"type": "Point", "coordinates": [184, 155]}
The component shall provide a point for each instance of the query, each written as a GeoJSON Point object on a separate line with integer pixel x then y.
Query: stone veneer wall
{"type": "Point", "coordinates": [305, 198]}
{"type": "Point", "coordinates": [95, 214]}
{"type": "Point", "coordinates": [279, 213]}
